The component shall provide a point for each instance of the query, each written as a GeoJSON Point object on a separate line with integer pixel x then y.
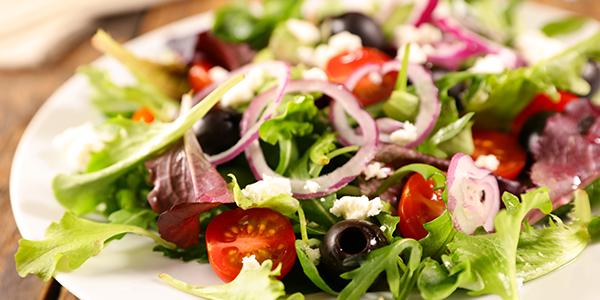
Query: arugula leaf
{"type": "Point", "coordinates": [426, 170]}
{"type": "Point", "coordinates": [385, 259]}
{"type": "Point", "coordinates": [170, 80]}
{"type": "Point", "coordinates": [317, 210]}
{"type": "Point", "coordinates": [196, 252]}
{"type": "Point", "coordinates": [564, 26]}
{"type": "Point", "coordinates": [309, 267]}
{"type": "Point", "coordinates": [248, 285]}
{"type": "Point", "coordinates": [387, 223]}
{"type": "Point", "coordinates": [81, 193]}
{"type": "Point", "coordinates": [72, 238]}
{"type": "Point", "coordinates": [429, 146]}
{"type": "Point", "coordinates": [113, 100]}
{"type": "Point", "coordinates": [441, 232]}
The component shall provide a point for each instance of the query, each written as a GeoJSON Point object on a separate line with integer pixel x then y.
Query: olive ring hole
{"type": "Point", "coordinates": [353, 241]}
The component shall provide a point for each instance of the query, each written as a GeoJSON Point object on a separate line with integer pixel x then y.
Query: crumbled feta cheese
{"type": "Point", "coordinates": [489, 64]}
{"type": "Point", "coordinates": [356, 207]}
{"type": "Point", "coordinates": [267, 187]}
{"type": "Point", "coordinates": [243, 92]}
{"type": "Point", "coordinates": [416, 53]}
{"type": "Point", "coordinates": [78, 143]}
{"type": "Point", "coordinates": [217, 74]}
{"type": "Point", "coordinates": [304, 31]}
{"type": "Point", "coordinates": [422, 35]}
{"type": "Point", "coordinates": [489, 162]}
{"type": "Point", "coordinates": [250, 263]}
{"type": "Point", "coordinates": [312, 186]}
{"type": "Point", "coordinates": [314, 73]}
{"type": "Point", "coordinates": [535, 46]}
{"type": "Point", "coordinates": [337, 44]}
{"type": "Point", "coordinates": [375, 170]}
{"type": "Point", "coordinates": [310, 9]}
{"type": "Point", "coordinates": [405, 135]}
{"type": "Point", "coordinates": [375, 78]}
{"type": "Point", "coordinates": [366, 7]}
{"type": "Point", "coordinates": [313, 254]}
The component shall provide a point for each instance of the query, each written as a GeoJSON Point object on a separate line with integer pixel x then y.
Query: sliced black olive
{"type": "Point", "coordinates": [356, 23]}
{"type": "Point", "coordinates": [591, 74]}
{"type": "Point", "coordinates": [218, 130]}
{"type": "Point", "coordinates": [343, 241]}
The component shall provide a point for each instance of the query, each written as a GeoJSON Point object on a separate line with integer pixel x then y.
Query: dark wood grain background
{"type": "Point", "coordinates": [22, 92]}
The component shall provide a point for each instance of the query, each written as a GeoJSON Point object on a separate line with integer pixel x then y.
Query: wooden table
{"type": "Point", "coordinates": [22, 92]}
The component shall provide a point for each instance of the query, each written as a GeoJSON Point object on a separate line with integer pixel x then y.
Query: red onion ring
{"type": "Point", "coordinates": [341, 176]}
{"type": "Point", "coordinates": [422, 12]}
{"type": "Point", "coordinates": [466, 185]}
{"type": "Point", "coordinates": [386, 126]}
{"type": "Point", "coordinates": [451, 55]}
{"type": "Point", "coordinates": [429, 106]}
{"type": "Point", "coordinates": [278, 69]}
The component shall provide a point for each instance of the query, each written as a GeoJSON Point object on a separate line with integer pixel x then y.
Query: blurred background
{"type": "Point", "coordinates": [41, 44]}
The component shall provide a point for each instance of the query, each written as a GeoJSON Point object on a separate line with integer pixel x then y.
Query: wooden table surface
{"type": "Point", "coordinates": [22, 92]}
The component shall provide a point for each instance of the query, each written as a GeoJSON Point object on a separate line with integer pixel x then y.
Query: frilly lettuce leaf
{"type": "Point", "coordinates": [283, 203]}
{"type": "Point", "coordinates": [81, 193]}
{"type": "Point", "coordinates": [257, 284]}
{"type": "Point", "coordinates": [72, 238]}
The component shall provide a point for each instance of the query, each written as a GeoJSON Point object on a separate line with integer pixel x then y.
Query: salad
{"type": "Point", "coordinates": [303, 157]}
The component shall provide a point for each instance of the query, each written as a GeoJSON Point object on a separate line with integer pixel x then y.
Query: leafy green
{"type": "Point", "coordinates": [441, 232]}
{"type": "Point", "coordinates": [386, 259]}
{"type": "Point", "coordinates": [387, 223]}
{"type": "Point", "coordinates": [294, 120]}
{"type": "Point", "coordinates": [140, 217]}
{"type": "Point", "coordinates": [248, 285]}
{"type": "Point", "coordinates": [239, 22]}
{"type": "Point", "coordinates": [484, 263]}
{"type": "Point", "coordinates": [317, 210]}
{"type": "Point", "coordinates": [170, 80]}
{"type": "Point", "coordinates": [309, 267]}
{"type": "Point", "coordinates": [429, 146]}
{"type": "Point", "coordinates": [426, 170]}
{"type": "Point", "coordinates": [401, 106]}
{"type": "Point", "coordinates": [564, 26]}
{"type": "Point", "coordinates": [81, 193]}
{"type": "Point", "coordinates": [73, 238]}
{"type": "Point", "coordinates": [113, 100]}
{"type": "Point", "coordinates": [282, 203]}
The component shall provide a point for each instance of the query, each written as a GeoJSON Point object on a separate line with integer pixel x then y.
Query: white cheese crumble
{"type": "Point", "coordinates": [312, 186]}
{"type": "Point", "coordinates": [535, 46]}
{"type": "Point", "coordinates": [250, 263]}
{"type": "Point", "coordinates": [417, 54]}
{"type": "Point", "coordinates": [489, 64]}
{"type": "Point", "coordinates": [422, 35]}
{"type": "Point", "coordinates": [337, 44]}
{"type": "Point", "coordinates": [267, 187]}
{"type": "Point", "coordinates": [489, 162]}
{"type": "Point", "coordinates": [243, 92]}
{"type": "Point", "coordinates": [77, 144]}
{"type": "Point", "coordinates": [218, 74]}
{"type": "Point", "coordinates": [314, 73]}
{"type": "Point", "coordinates": [375, 78]}
{"type": "Point", "coordinates": [304, 31]}
{"type": "Point", "coordinates": [405, 135]}
{"type": "Point", "coordinates": [313, 254]}
{"type": "Point", "coordinates": [375, 170]}
{"type": "Point", "coordinates": [356, 207]}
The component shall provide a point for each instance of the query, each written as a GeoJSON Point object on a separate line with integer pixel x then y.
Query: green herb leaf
{"type": "Point", "coordinates": [565, 26]}
{"type": "Point", "coordinates": [309, 267]}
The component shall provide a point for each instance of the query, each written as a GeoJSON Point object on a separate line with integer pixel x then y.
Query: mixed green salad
{"type": "Point", "coordinates": [342, 147]}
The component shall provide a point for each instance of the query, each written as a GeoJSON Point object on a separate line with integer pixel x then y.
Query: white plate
{"type": "Point", "coordinates": [128, 268]}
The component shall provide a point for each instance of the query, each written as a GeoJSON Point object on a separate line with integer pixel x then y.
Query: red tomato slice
{"type": "Point", "coordinates": [419, 204]}
{"type": "Point", "coordinates": [198, 75]}
{"type": "Point", "coordinates": [341, 66]}
{"type": "Point", "coordinates": [239, 233]}
{"type": "Point", "coordinates": [505, 147]}
{"type": "Point", "coordinates": [143, 114]}
{"type": "Point", "coordinates": [540, 103]}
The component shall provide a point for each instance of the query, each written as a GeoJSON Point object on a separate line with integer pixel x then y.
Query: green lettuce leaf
{"type": "Point", "coordinates": [309, 267]}
{"type": "Point", "coordinates": [441, 232]}
{"type": "Point", "coordinates": [73, 238]}
{"type": "Point", "coordinates": [135, 141]}
{"type": "Point", "coordinates": [564, 26]}
{"type": "Point", "coordinates": [170, 80]}
{"type": "Point", "coordinates": [248, 285]}
{"type": "Point", "coordinates": [282, 203]}
{"type": "Point", "coordinates": [113, 100]}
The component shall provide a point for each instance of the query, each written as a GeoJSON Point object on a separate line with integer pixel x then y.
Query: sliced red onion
{"type": "Point", "coordinates": [341, 176]}
{"type": "Point", "coordinates": [385, 126]}
{"type": "Point", "coordinates": [422, 12]}
{"type": "Point", "coordinates": [470, 44]}
{"type": "Point", "coordinates": [473, 195]}
{"type": "Point", "coordinates": [279, 70]}
{"type": "Point", "coordinates": [429, 104]}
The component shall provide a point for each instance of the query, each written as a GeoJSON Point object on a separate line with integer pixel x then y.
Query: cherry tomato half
{"type": "Point", "coordinates": [143, 114]}
{"type": "Point", "coordinates": [368, 92]}
{"type": "Point", "coordinates": [419, 204]}
{"type": "Point", "coordinates": [505, 147]}
{"type": "Point", "coordinates": [540, 103]}
{"type": "Point", "coordinates": [239, 233]}
{"type": "Point", "coordinates": [198, 75]}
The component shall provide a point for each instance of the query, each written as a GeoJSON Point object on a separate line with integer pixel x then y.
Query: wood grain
{"type": "Point", "coordinates": [22, 92]}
